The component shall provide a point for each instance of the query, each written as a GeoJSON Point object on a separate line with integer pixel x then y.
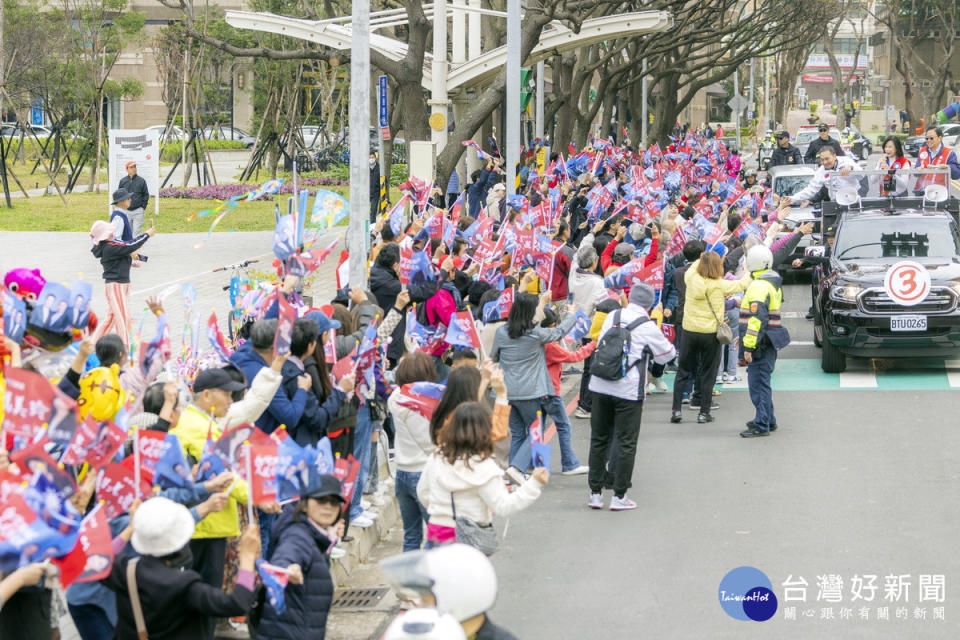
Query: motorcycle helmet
{"type": "Point", "coordinates": [759, 258]}
{"type": "Point", "coordinates": [460, 579]}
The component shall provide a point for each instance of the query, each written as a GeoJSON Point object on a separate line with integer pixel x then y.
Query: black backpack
{"type": "Point", "coordinates": [610, 357]}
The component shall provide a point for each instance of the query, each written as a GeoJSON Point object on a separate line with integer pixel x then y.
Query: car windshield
{"type": "Point", "coordinates": [896, 237]}
{"type": "Point", "coordinates": [789, 185]}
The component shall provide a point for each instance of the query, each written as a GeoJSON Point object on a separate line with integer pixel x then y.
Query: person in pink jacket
{"type": "Point", "coordinates": [733, 164]}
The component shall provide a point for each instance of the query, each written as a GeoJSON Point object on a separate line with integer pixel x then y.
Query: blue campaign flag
{"type": "Point", "coordinates": [172, 469]}
{"type": "Point", "coordinates": [274, 581]}
{"type": "Point", "coordinates": [323, 456]}
{"type": "Point", "coordinates": [293, 463]}
{"type": "Point", "coordinates": [210, 463]}
{"type": "Point", "coordinates": [284, 238]}
{"type": "Point", "coordinates": [420, 264]}
{"type": "Point", "coordinates": [581, 328]}
{"type": "Point", "coordinates": [718, 248]}
{"type": "Point", "coordinates": [540, 454]}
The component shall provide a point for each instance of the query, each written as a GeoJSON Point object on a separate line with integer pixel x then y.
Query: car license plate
{"type": "Point", "coordinates": [908, 323]}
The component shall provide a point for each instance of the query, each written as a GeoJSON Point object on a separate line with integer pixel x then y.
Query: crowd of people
{"type": "Point", "coordinates": [172, 492]}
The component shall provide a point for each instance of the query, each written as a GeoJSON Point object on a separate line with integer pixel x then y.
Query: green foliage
{"type": "Point", "coordinates": [171, 151]}
{"type": "Point", "coordinates": [398, 173]}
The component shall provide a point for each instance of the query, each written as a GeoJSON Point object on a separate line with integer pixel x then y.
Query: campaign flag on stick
{"type": "Point", "coordinates": [499, 309]}
{"type": "Point", "coordinates": [581, 328]}
{"type": "Point", "coordinates": [172, 469]}
{"type": "Point", "coordinates": [462, 331]}
{"type": "Point", "coordinates": [150, 351]}
{"type": "Point", "coordinates": [151, 445]}
{"type": "Point", "coordinates": [92, 557]}
{"type": "Point", "coordinates": [330, 347]}
{"type": "Point", "coordinates": [421, 397]}
{"type": "Point", "coordinates": [274, 580]}
{"type": "Point", "coordinates": [27, 402]}
{"type": "Point", "coordinates": [116, 488]}
{"type": "Point", "coordinates": [540, 451]}
{"type": "Point", "coordinates": [290, 470]}
{"type": "Point", "coordinates": [287, 315]}
{"type": "Point", "coordinates": [346, 472]}
{"type": "Point", "coordinates": [22, 534]}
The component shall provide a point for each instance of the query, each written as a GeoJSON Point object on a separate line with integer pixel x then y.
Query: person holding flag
{"type": "Point", "coordinates": [300, 542]}
{"type": "Point", "coordinates": [519, 348]}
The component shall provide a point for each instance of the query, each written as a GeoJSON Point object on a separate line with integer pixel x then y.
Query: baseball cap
{"type": "Point", "coordinates": [320, 485]}
{"type": "Point", "coordinates": [216, 379]}
{"type": "Point", "coordinates": [130, 163]}
{"type": "Point", "coordinates": [823, 127]}
{"type": "Point", "coordinates": [783, 134]}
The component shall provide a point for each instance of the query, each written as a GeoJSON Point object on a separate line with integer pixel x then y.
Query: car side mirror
{"type": "Point", "coordinates": [817, 251]}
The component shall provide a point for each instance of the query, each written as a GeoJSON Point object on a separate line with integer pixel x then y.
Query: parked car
{"type": "Point", "coordinates": [174, 133]}
{"type": "Point", "coordinates": [14, 130]}
{"type": "Point", "coordinates": [227, 133]}
{"type": "Point", "coordinates": [786, 180]}
{"type": "Point", "coordinates": [861, 145]}
{"type": "Point", "coordinates": [951, 136]}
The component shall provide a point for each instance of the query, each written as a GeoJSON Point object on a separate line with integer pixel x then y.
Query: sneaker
{"type": "Point", "coordinates": [595, 501]}
{"type": "Point", "coordinates": [362, 521]}
{"type": "Point", "coordinates": [719, 380]}
{"type": "Point", "coordinates": [685, 399]}
{"type": "Point", "coordinates": [573, 371]}
{"type": "Point", "coordinates": [580, 413]}
{"type": "Point", "coordinates": [704, 418]}
{"type": "Point", "coordinates": [337, 552]}
{"type": "Point", "coordinates": [659, 386]}
{"type": "Point", "coordinates": [622, 504]}
{"type": "Point", "coordinates": [716, 392]}
{"type": "Point", "coordinates": [728, 379]}
{"type": "Point", "coordinates": [676, 417]}
{"type": "Point", "coordinates": [576, 471]}
{"type": "Point", "coordinates": [365, 503]}
{"type": "Point", "coordinates": [754, 432]}
{"type": "Point", "coordinates": [230, 630]}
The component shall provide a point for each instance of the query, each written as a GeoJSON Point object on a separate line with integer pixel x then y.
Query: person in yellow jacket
{"type": "Point", "coordinates": [761, 335]}
{"type": "Point", "coordinates": [703, 311]}
{"type": "Point", "coordinates": [213, 391]}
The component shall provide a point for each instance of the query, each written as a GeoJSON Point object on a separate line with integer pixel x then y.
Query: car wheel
{"type": "Point", "coordinates": [832, 360]}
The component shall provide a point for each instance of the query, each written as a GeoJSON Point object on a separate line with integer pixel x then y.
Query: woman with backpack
{"type": "Point", "coordinates": [703, 313]}
{"type": "Point", "coordinates": [519, 348]}
{"type": "Point", "coordinates": [116, 258]}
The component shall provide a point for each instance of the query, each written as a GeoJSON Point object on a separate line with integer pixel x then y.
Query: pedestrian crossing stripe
{"type": "Point", "coordinates": [805, 374]}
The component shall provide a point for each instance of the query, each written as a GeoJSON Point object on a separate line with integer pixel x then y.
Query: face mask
{"type": "Point", "coordinates": [373, 162]}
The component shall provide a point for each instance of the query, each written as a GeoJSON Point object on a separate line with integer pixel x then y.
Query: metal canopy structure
{"type": "Point", "coordinates": [556, 38]}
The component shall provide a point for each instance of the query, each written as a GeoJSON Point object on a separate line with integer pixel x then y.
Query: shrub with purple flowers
{"type": "Point", "coordinates": [227, 191]}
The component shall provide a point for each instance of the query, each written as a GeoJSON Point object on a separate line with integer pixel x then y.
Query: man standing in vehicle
{"type": "Point", "coordinates": [833, 173]}
{"type": "Point", "coordinates": [785, 153]}
{"type": "Point", "coordinates": [936, 154]}
{"type": "Point", "coordinates": [821, 143]}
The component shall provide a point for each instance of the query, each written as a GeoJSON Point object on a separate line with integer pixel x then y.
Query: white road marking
{"type": "Point", "coordinates": [861, 379]}
{"type": "Point", "coordinates": [953, 372]}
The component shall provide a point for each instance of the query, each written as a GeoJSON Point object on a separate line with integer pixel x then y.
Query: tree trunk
{"type": "Point", "coordinates": [666, 109]}
{"type": "Point", "coordinates": [903, 68]}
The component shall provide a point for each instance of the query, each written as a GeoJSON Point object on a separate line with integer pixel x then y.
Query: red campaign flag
{"type": "Point", "coordinates": [263, 484]}
{"type": "Point", "coordinates": [406, 265]}
{"type": "Point", "coordinates": [652, 208]}
{"type": "Point", "coordinates": [34, 458]}
{"type": "Point", "coordinates": [344, 365]}
{"type": "Point", "coordinates": [27, 402]}
{"type": "Point", "coordinates": [94, 442]}
{"type": "Point", "coordinates": [92, 558]}
{"type": "Point", "coordinates": [541, 215]}
{"type": "Point", "coordinates": [346, 472]}
{"type": "Point", "coordinates": [10, 483]}
{"type": "Point", "coordinates": [287, 315]}
{"type": "Point", "coordinates": [668, 331]}
{"type": "Point", "coordinates": [652, 274]}
{"type": "Point", "coordinates": [677, 240]}
{"type": "Point", "coordinates": [543, 265]}
{"type": "Point", "coordinates": [116, 488]}
{"type": "Point", "coordinates": [421, 397]}
{"type": "Point", "coordinates": [228, 446]}
{"type": "Point", "coordinates": [637, 214]}
{"type": "Point", "coordinates": [64, 420]}
{"type": "Point", "coordinates": [330, 347]}
{"type": "Point", "coordinates": [153, 445]}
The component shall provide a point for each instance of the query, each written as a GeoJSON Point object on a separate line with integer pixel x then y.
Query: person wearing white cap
{"type": "Point", "coordinates": [116, 259]}
{"type": "Point", "coordinates": [158, 594]}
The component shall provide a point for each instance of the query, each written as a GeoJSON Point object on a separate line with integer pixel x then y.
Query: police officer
{"type": "Point", "coordinates": [819, 143]}
{"type": "Point", "coordinates": [761, 336]}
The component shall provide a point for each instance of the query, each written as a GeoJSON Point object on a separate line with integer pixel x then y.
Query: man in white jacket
{"type": "Point", "coordinates": [833, 173]}
{"type": "Point", "coordinates": [618, 404]}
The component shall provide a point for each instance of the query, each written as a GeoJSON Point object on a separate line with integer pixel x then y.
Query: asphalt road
{"type": "Point", "coordinates": [854, 483]}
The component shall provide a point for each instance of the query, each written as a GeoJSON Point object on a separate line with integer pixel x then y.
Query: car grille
{"type": "Point", "coordinates": [939, 300]}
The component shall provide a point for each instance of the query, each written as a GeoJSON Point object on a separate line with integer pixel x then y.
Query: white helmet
{"type": "Point", "coordinates": [459, 577]}
{"type": "Point", "coordinates": [759, 258]}
{"type": "Point", "coordinates": [424, 624]}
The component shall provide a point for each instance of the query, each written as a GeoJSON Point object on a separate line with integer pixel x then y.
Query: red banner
{"type": "Point", "coordinates": [27, 402]}
{"type": "Point", "coordinates": [92, 558]}
{"type": "Point", "coordinates": [263, 484]}
{"type": "Point", "coordinates": [117, 490]}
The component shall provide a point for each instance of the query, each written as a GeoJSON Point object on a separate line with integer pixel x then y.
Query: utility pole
{"type": "Point", "coordinates": [513, 94]}
{"type": "Point", "coordinates": [539, 123]}
{"type": "Point", "coordinates": [359, 142]}
{"type": "Point", "coordinates": [736, 93]}
{"type": "Point", "coordinates": [438, 97]}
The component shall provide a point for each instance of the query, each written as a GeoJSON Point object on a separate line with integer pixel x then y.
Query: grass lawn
{"type": "Point", "coordinates": [47, 213]}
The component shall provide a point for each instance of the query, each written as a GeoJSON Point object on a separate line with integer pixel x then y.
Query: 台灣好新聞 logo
{"type": "Point", "coordinates": [746, 593]}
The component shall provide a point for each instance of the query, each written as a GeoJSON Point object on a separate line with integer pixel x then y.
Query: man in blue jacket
{"type": "Point", "coordinates": [252, 356]}
{"type": "Point", "coordinates": [482, 181]}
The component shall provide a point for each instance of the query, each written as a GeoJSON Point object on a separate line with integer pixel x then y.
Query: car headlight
{"type": "Point", "coordinates": [846, 293]}
{"type": "Point", "coordinates": [956, 288]}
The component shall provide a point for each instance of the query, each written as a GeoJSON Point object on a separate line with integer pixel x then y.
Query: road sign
{"type": "Point", "coordinates": [750, 114]}
{"type": "Point", "coordinates": [384, 133]}
{"type": "Point", "coordinates": [738, 103]}
{"type": "Point", "coordinates": [36, 113]}
{"type": "Point", "coordinates": [438, 121]}
{"type": "Point", "coordinates": [382, 91]}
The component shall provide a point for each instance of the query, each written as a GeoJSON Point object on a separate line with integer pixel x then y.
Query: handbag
{"type": "Point", "coordinates": [478, 536]}
{"type": "Point", "coordinates": [724, 332]}
{"type": "Point", "coordinates": [135, 599]}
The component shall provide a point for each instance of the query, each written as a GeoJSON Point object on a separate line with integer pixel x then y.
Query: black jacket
{"type": "Point", "coordinates": [385, 285]}
{"type": "Point", "coordinates": [299, 542]}
{"type": "Point", "coordinates": [176, 604]}
{"type": "Point", "coordinates": [115, 258]}
{"type": "Point", "coordinates": [138, 187]}
{"type": "Point", "coordinates": [490, 631]}
{"type": "Point", "coordinates": [810, 157]}
{"type": "Point", "coordinates": [790, 155]}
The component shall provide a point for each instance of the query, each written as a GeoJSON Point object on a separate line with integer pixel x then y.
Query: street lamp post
{"type": "Point", "coordinates": [513, 94]}
{"type": "Point", "coordinates": [359, 142]}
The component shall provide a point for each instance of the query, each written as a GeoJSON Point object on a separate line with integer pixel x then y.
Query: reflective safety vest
{"type": "Point", "coordinates": [925, 160]}
{"type": "Point", "coordinates": [760, 312]}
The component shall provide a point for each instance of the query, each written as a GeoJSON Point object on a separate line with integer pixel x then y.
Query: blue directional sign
{"type": "Point", "coordinates": [384, 120]}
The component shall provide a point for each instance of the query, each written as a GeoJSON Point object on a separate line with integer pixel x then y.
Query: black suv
{"type": "Point", "coordinates": [853, 314]}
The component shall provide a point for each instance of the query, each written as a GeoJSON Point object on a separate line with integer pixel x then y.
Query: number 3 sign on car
{"type": "Point", "coordinates": [907, 283]}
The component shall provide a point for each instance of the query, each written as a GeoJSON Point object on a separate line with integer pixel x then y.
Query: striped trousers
{"type": "Point", "coordinates": [118, 317]}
